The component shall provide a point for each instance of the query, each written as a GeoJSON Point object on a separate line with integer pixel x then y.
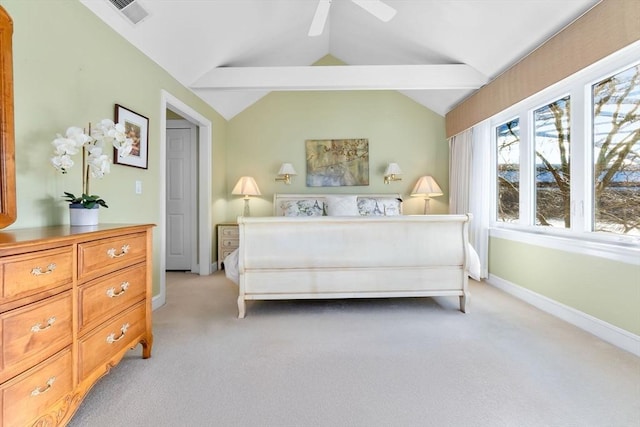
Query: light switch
{"type": "Point", "coordinates": [138, 187]}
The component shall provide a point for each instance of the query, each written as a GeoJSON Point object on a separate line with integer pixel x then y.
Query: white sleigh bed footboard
{"type": "Point", "coordinates": [352, 257]}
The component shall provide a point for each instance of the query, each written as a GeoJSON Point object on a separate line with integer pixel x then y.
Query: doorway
{"type": "Point", "coordinates": [204, 161]}
{"type": "Point", "coordinates": [181, 195]}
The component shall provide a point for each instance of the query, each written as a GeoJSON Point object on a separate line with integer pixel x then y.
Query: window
{"type": "Point", "coordinates": [552, 169]}
{"type": "Point", "coordinates": [508, 159]}
{"type": "Point", "coordinates": [567, 160]}
{"type": "Point", "coordinates": [616, 153]}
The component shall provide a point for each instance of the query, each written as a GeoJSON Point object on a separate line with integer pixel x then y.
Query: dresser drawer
{"type": "Point", "coordinates": [229, 243]}
{"type": "Point", "coordinates": [100, 345]}
{"type": "Point", "coordinates": [226, 253]}
{"type": "Point", "coordinates": [29, 274]}
{"type": "Point", "coordinates": [104, 297]}
{"type": "Point", "coordinates": [33, 333]}
{"type": "Point", "coordinates": [30, 395]}
{"type": "Point", "coordinates": [106, 255]}
{"type": "Point", "coordinates": [230, 231]}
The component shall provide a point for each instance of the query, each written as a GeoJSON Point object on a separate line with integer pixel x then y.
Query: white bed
{"type": "Point", "coordinates": [381, 254]}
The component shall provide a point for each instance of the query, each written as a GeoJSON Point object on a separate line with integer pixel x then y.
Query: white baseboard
{"type": "Point", "coordinates": [603, 330]}
{"type": "Point", "coordinates": [158, 301]}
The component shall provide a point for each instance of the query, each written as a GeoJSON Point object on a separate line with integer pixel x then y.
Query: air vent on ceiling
{"type": "Point", "coordinates": [131, 9]}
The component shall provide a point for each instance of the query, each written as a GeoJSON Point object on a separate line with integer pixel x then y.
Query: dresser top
{"type": "Point", "coordinates": [64, 232]}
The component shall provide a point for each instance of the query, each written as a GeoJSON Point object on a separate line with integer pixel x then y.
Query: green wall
{"type": "Point", "coordinates": [274, 130]}
{"type": "Point", "coordinates": [605, 289]}
{"type": "Point", "coordinates": [69, 69]}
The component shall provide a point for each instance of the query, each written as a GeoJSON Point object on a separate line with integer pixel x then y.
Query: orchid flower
{"type": "Point", "coordinates": [78, 136]}
{"type": "Point", "coordinates": [64, 146]}
{"type": "Point", "coordinates": [126, 149]}
{"type": "Point", "coordinates": [101, 130]}
{"type": "Point", "coordinates": [62, 162]}
{"type": "Point", "coordinates": [98, 164]}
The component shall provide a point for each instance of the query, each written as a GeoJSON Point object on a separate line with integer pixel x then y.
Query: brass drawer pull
{"type": "Point", "coordinates": [38, 270]}
{"type": "Point", "coordinates": [45, 389]}
{"type": "Point", "coordinates": [112, 252]}
{"type": "Point", "coordinates": [112, 337]}
{"type": "Point", "coordinates": [38, 327]}
{"type": "Point", "coordinates": [111, 292]}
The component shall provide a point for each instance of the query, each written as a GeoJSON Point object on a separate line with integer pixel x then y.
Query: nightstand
{"type": "Point", "coordinates": [228, 241]}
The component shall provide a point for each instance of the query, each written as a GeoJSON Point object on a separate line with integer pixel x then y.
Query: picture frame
{"type": "Point", "coordinates": [337, 162]}
{"type": "Point", "coordinates": [137, 128]}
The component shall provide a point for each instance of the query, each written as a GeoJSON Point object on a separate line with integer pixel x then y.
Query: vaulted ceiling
{"type": "Point", "coordinates": [233, 52]}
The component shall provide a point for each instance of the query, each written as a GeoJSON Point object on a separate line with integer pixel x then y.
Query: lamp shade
{"type": "Point", "coordinates": [426, 187]}
{"type": "Point", "coordinates": [393, 169]}
{"type": "Point", "coordinates": [287, 169]}
{"type": "Point", "coordinates": [246, 186]}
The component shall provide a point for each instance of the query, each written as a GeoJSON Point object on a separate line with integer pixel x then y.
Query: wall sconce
{"type": "Point", "coordinates": [426, 187]}
{"type": "Point", "coordinates": [390, 174]}
{"type": "Point", "coordinates": [246, 186]}
{"type": "Point", "coordinates": [285, 173]}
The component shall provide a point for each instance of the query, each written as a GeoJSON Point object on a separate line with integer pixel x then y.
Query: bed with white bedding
{"type": "Point", "coordinates": [350, 247]}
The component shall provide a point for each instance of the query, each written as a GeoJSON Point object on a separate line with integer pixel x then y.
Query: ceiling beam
{"type": "Point", "coordinates": [347, 77]}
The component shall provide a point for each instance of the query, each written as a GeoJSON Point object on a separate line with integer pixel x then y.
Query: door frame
{"type": "Point", "coordinates": [193, 195]}
{"type": "Point", "coordinates": [205, 228]}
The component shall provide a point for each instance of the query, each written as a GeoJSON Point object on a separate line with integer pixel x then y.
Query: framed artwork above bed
{"type": "Point", "coordinates": [337, 162]}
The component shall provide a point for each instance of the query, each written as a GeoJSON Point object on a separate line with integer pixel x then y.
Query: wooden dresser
{"type": "Point", "coordinates": [73, 301]}
{"type": "Point", "coordinates": [228, 241]}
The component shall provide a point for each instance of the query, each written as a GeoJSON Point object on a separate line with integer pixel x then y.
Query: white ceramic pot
{"type": "Point", "coordinates": [80, 216]}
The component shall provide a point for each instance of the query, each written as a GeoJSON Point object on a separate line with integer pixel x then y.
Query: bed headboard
{"type": "Point", "coordinates": [317, 204]}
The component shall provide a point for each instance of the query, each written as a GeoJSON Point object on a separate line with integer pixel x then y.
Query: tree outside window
{"type": "Point", "coordinates": [553, 163]}
{"type": "Point", "coordinates": [508, 160]}
{"type": "Point", "coordinates": [616, 153]}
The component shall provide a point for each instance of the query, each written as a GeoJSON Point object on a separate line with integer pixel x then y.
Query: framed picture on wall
{"type": "Point", "coordinates": [137, 128]}
{"type": "Point", "coordinates": [337, 162]}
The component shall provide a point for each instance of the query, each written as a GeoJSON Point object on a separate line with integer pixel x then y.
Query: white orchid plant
{"type": "Point", "coordinates": [95, 163]}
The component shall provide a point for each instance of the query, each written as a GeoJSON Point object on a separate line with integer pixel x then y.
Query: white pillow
{"type": "Point", "coordinates": [392, 206]}
{"type": "Point", "coordinates": [303, 207]}
{"type": "Point", "coordinates": [342, 206]}
{"type": "Point", "coordinates": [375, 206]}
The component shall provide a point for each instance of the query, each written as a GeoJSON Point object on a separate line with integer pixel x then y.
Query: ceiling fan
{"type": "Point", "coordinates": [377, 8]}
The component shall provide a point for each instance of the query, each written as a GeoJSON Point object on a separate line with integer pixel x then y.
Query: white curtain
{"type": "Point", "coordinates": [460, 172]}
{"type": "Point", "coordinates": [469, 181]}
{"type": "Point", "coordinates": [480, 193]}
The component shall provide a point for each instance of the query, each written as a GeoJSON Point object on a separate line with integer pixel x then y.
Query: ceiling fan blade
{"type": "Point", "coordinates": [380, 10]}
{"type": "Point", "coordinates": [320, 18]}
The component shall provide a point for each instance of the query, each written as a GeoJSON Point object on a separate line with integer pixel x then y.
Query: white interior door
{"type": "Point", "coordinates": [181, 196]}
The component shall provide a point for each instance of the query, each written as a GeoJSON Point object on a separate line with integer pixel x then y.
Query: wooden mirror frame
{"type": "Point", "coordinates": [8, 212]}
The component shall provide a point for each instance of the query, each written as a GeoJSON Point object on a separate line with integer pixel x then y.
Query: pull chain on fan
{"type": "Point", "coordinates": [377, 8]}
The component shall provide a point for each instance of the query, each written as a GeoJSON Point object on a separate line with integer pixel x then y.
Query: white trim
{"type": "Point", "coordinates": [629, 254]}
{"type": "Point", "coordinates": [158, 301]}
{"type": "Point", "coordinates": [204, 186]}
{"type": "Point", "coordinates": [337, 77]}
{"type": "Point", "coordinates": [601, 329]}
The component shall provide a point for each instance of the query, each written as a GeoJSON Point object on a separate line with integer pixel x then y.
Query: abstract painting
{"type": "Point", "coordinates": [337, 162]}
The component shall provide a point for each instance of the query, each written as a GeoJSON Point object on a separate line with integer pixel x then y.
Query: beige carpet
{"type": "Point", "coordinates": [402, 362]}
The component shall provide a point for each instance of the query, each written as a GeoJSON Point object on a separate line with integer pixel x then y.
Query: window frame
{"type": "Point", "coordinates": [579, 237]}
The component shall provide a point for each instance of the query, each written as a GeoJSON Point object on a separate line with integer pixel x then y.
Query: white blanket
{"type": "Point", "coordinates": [232, 273]}
{"type": "Point", "coordinates": [231, 267]}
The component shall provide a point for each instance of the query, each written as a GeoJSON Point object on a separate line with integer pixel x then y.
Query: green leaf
{"type": "Point", "coordinates": [87, 201]}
